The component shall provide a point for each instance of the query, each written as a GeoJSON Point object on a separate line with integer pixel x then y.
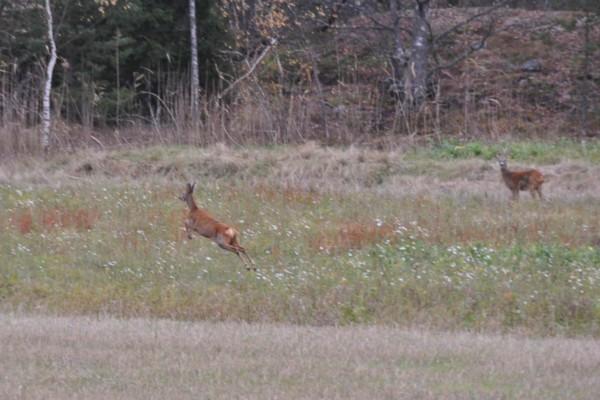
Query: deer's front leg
{"type": "Point", "coordinates": [188, 229]}
{"type": "Point", "coordinates": [532, 192]}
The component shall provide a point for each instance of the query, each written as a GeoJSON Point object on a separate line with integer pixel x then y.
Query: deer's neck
{"type": "Point", "coordinates": [191, 203]}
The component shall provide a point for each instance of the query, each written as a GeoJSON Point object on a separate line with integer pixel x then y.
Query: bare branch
{"type": "Point", "coordinates": [377, 23]}
{"type": "Point", "coordinates": [475, 47]}
{"type": "Point", "coordinates": [466, 22]}
{"type": "Point", "coordinates": [251, 69]}
{"type": "Point", "coordinates": [380, 24]}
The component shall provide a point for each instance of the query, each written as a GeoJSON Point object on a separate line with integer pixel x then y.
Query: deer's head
{"type": "Point", "coordinates": [502, 161]}
{"type": "Point", "coordinates": [189, 190]}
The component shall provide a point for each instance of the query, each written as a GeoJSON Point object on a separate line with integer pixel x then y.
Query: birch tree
{"type": "Point", "coordinates": [194, 63]}
{"type": "Point", "coordinates": [412, 69]}
{"type": "Point", "coordinates": [411, 66]}
{"type": "Point", "coordinates": [46, 119]}
{"type": "Point", "coordinates": [415, 54]}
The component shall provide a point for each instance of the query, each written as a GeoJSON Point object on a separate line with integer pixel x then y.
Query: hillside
{"type": "Point", "coordinates": [527, 81]}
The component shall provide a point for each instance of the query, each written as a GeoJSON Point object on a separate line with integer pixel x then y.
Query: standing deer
{"type": "Point", "coordinates": [201, 222]}
{"type": "Point", "coordinates": [530, 179]}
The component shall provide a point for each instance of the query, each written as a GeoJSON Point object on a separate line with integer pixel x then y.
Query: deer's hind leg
{"type": "Point", "coordinates": [241, 250]}
{"type": "Point", "coordinates": [230, 244]}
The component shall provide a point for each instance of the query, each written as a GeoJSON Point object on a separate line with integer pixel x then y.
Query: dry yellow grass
{"type": "Point", "coordinates": [572, 172]}
{"type": "Point", "coordinates": [105, 358]}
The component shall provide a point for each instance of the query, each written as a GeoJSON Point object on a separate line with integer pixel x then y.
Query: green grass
{"type": "Point", "coordinates": [546, 152]}
{"type": "Point", "coordinates": [106, 246]}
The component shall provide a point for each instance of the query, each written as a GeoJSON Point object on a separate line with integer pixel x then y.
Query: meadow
{"type": "Point", "coordinates": [413, 237]}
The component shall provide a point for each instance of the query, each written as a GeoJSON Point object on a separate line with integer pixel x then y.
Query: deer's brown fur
{"type": "Point", "coordinates": [515, 181]}
{"type": "Point", "coordinates": [201, 222]}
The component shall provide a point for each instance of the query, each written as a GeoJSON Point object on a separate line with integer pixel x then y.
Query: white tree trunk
{"type": "Point", "coordinates": [400, 57]}
{"type": "Point", "coordinates": [419, 67]}
{"type": "Point", "coordinates": [46, 121]}
{"type": "Point", "coordinates": [411, 63]}
{"type": "Point", "coordinates": [194, 63]}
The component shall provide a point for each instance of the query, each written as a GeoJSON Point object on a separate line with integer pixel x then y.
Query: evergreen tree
{"type": "Point", "coordinates": [112, 51]}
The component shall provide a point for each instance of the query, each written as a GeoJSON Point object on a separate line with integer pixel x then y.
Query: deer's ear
{"type": "Point", "coordinates": [192, 187]}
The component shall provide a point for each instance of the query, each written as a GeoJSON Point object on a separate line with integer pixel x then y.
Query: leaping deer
{"type": "Point", "coordinates": [201, 222]}
{"type": "Point", "coordinates": [530, 179]}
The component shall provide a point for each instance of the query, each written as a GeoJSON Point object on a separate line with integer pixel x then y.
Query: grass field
{"type": "Point", "coordinates": [424, 237]}
{"type": "Point", "coordinates": [106, 358]}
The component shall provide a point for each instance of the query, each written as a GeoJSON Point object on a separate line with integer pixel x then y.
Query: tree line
{"type": "Point", "coordinates": [119, 59]}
